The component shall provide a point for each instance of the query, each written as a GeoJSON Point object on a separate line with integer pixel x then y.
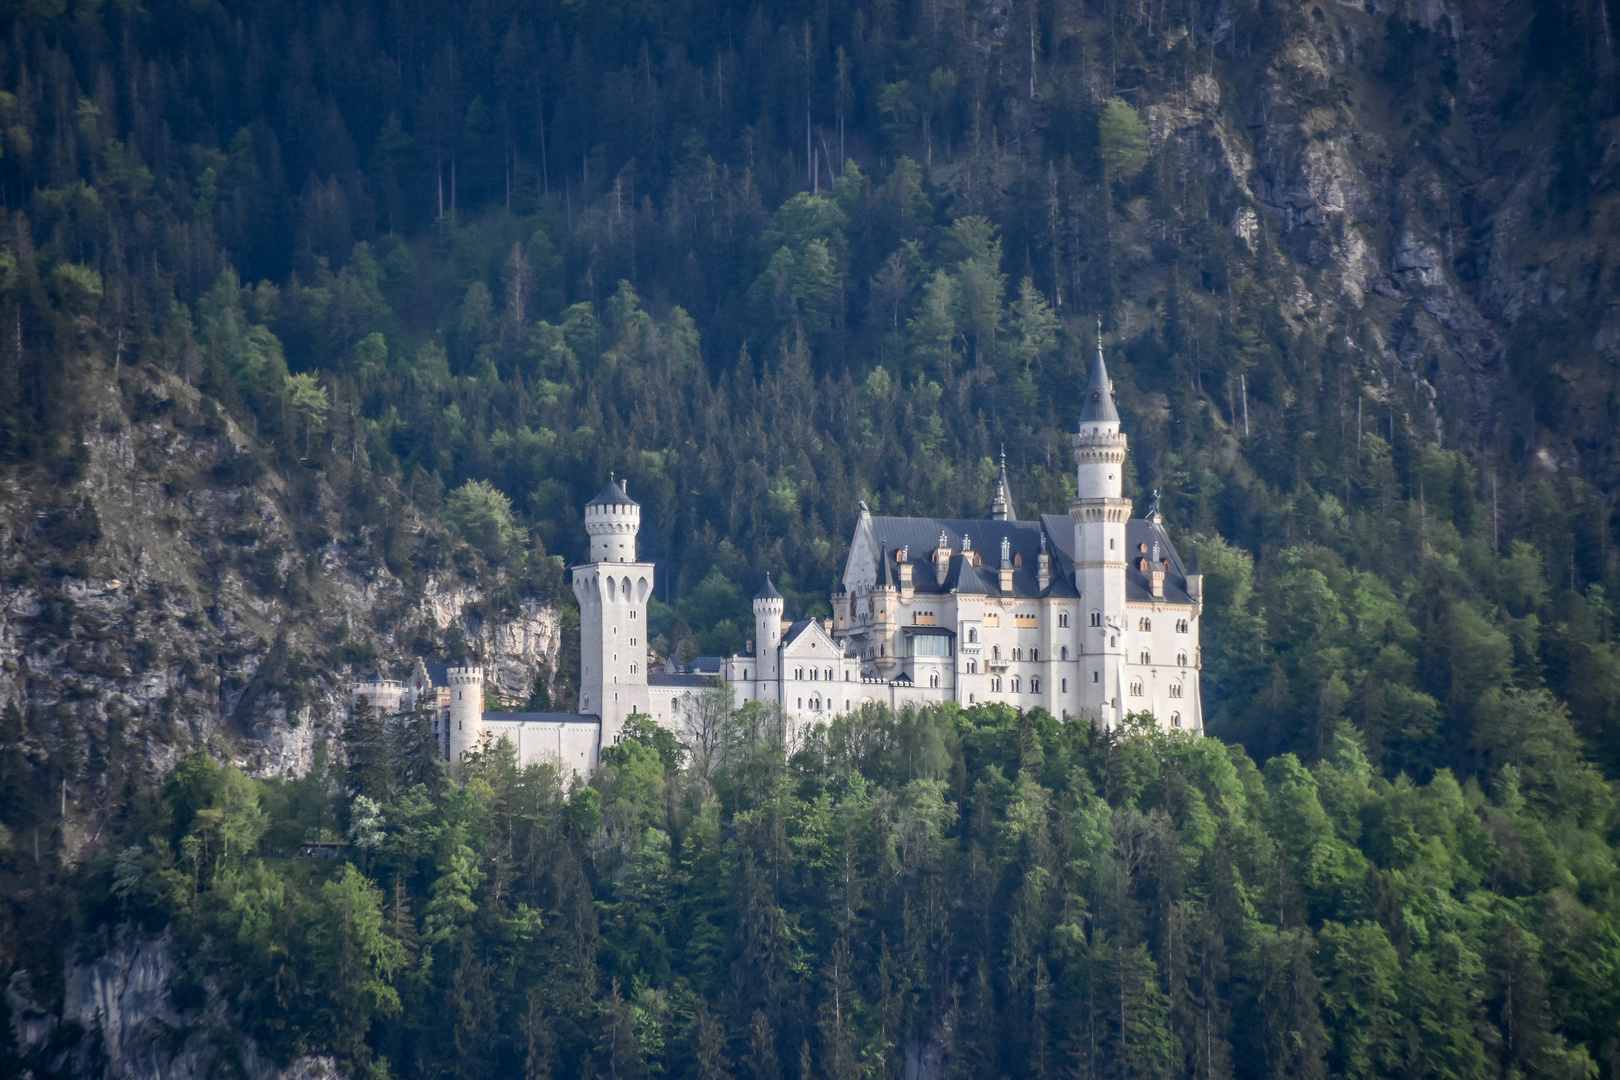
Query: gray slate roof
{"type": "Point", "coordinates": [692, 680]}
{"type": "Point", "coordinates": [1099, 403]}
{"type": "Point", "coordinates": [540, 717]}
{"type": "Point", "coordinates": [612, 495]}
{"type": "Point", "coordinates": [1024, 538]}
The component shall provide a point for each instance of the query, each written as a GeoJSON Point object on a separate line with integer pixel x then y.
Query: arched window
{"type": "Point", "coordinates": [1063, 618]}
{"type": "Point", "coordinates": [995, 685]}
{"type": "Point", "coordinates": [1096, 618]}
{"type": "Point", "coordinates": [1175, 690]}
{"type": "Point", "coordinates": [1181, 659]}
{"type": "Point", "coordinates": [1136, 689]}
{"type": "Point", "coordinates": [1035, 685]}
{"type": "Point", "coordinates": [1096, 676]}
{"type": "Point", "coordinates": [995, 652]}
{"type": "Point", "coordinates": [973, 636]}
{"type": "Point", "coordinates": [933, 680]}
{"type": "Point", "coordinates": [632, 667]}
{"type": "Point", "coordinates": [1063, 653]}
{"type": "Point", "coordinates": [1016, 684]}
{"type": "Point", "coordinates": [798, 673]}
{"type": "Point", "coordinates": [813, 674]}
{"type": "Point", "coordinates": [1144, 624]}
{"type": "Point", "coordinates": [1112, 641]}
{"type": "Point", "coordinates": [829, 674]}
{"type": "Point", "coordinates": [1065, 686]}
{"type": "Point", "coordinates": [1147, 657]}
{"type": "Point", "coordinates": [1181, 626]}
{"type": "Point", "coordinates": [745, 674]}
{"type": "Point", "coordinates": [801, 703]}
{"type": "Point", "coordinates": [848, 675]}
{"type": "Point", "coordinates": [973, 667]}
{"type": "Point", "coordinates": [1018, 654]}
{"type": "Point", "coordinates": [1034, 654]}
{"type": "Point", "coordinates": [1175, 719]}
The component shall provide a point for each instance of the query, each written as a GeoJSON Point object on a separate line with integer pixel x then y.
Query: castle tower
{"type": "Point", "coordinates": [767, 637]}
{"type": "Point", "coordinates": [466, 708]}
{"type": "Point", "coordinates": [612, 590]}
{"type": "Point", "coordinates": [1001, 505]}
{"type": "Point", "coordinates": [1100, 512]}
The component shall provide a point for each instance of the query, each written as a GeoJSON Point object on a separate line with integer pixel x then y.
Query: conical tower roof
{"type": "Point", "coordinates": [767, 591]}
{"type": "Point", "coordinates": [1099, 404]}
{"type": "Point", "coordinates": [612, 495]}
{"type": "Point", "coordinates": [1001, 506]}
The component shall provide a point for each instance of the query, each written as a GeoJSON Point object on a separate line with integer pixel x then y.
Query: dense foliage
{"type": "Point", "coordinates": [461, 261]}
{"type": "Point", "coordinates": [984, 892]}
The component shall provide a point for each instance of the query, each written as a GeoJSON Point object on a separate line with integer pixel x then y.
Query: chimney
{"type": "Point", "coordinates": [942, 559]}
{"type": "Point", "coordinates": [1156, 570]}
{"type": "Point", "coordinates": [1043, 564]}
{"type": "Point", "coordinates": [1004, 577]}
{"type": "Point", "coordinates": [904, 559]}
{"type": "Point", "coordinates": [1195, 579]}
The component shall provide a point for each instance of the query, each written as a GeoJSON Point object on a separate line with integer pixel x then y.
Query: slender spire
{"type": "Point", "coordinates": [1099, 404]}
{"type": "Point", "coordinates": [1001, 505]}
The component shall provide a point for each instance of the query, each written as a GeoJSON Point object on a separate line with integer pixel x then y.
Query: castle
{"type": "Point", "coordinates": [1087, 614]}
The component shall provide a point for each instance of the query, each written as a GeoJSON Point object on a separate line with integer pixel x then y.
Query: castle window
{"type": "Point", "coordinates": [1112, 641]}
{"type": "Point", "coordinates": [1096, 618]}
{"type": "Point", "coordinates": [1034, 654]}
{"type": "Point", "coordinates": [798, 673]}
{"type": "Point", "coordinates": [1016, 683]}
{"type": "Point", "coordinates": [1175, 719]}
{"type": "Point", "coordinates": [995, 686]}
{"type": "Point", "coordinates": [933, 680]}
{"type": "Point", "coordinates": [1063, 618]}
{"type": "Point", "coordinates": [745, 674]}
{"type": "Point", "coordinates": [1096, 676]}
{"type": "Point", "coordinates": [1136, 689]}
{"type": "Point", "coordinates": [1018, 654]}
{"type": "Point", "coordinates": [1181, 626]}
{"type": "Point", "coordinates": [813, 674]}
{"type": "Point", "coordinates": [1063, 653]}
{"type": "Point", "coordinates": [1181, 659]}
{"type": "Point", "coordinates": [1065, 685]}
{"type": "Point", "coordinates": [829, 674]}
{"type": "Point", "coordinates": [995, 652]}
{"type": "Point", "coordinates": [1144, 624]}
{"type": "Point", "coordinates": [973, 636]}
{"type": "Point", "coordinates": [801, 703]}
{"type": "Point", "coordinates": [849, 676]}
{"type": "Point", "coordinates": [973, 667]}
{"type": "Point", "coordinates": [1035, 686]}
{"type": "Point", "coordinates": [1175, 689]}
{"type": "Point", "coordinates": [632, 667]}
{"type": "Point", "coordinates": [1147, 658]}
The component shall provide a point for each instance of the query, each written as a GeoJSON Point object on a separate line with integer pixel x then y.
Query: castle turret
{"type": "Point", "coordinates": [466, 708]}
{"type": "Point", "coordinates": [768, 606]}
{"type": "Point", "coordinates": [1100, 512]}
{"type": "Point", "coordinates": [1001, 505]}
{"type": "Point", "coordinates": [612, 590]}
{"type": "Point", "coordinates": [613, 519]}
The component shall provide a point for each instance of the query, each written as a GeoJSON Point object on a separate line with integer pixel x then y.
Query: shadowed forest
{"type": "Point", "coordinates": [440, 270]}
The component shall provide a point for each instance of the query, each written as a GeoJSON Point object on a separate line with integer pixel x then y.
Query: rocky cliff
{"type": "Point", "coordinates": [167, 589]}
{"type": "Point", "coordinates": [1438, 175]}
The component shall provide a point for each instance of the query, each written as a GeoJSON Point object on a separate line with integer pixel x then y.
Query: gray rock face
{"type": "Point", "coordinates": [169, 597]}
{"type": "Point", "coordinates": [124, 1025]}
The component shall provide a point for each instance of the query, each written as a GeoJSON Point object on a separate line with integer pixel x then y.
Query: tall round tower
{"type": "Point", "coordinates": [1100, 513]}
{"type": "Point", "coordinates": [466, 708]}
{"type": "Point", "coordinates": [767, 629]}
{"type": "Point", "coordinates": [613, 590]}
{"type": "Point", "coordinates": [612, 520]}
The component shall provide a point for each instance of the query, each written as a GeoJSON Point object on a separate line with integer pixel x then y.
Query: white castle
{"type": "Point", "coordinates": [1088, 615]}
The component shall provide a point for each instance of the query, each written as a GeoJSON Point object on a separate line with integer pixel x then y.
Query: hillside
{"type": "Point", "coordinates": [320, 322]}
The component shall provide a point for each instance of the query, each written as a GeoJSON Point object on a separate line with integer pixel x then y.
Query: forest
{"type": "Point", "coordinates": [446, 268]}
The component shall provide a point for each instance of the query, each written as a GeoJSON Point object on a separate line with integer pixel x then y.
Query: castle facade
{"type": "Point", "coordinates": [1090, 614]}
